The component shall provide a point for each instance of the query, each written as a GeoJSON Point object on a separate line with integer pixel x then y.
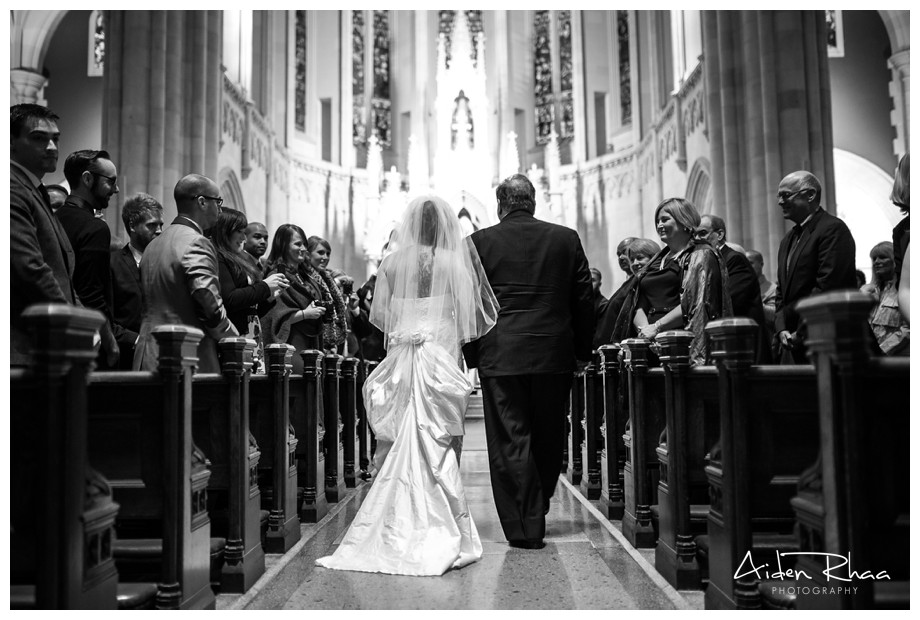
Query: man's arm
{"type": "Point", "coordinates": [200, 267]}
{"type": "Point", "coordinates": [836, 260]}
{"type": "Point", "coordinates": [33, 278]}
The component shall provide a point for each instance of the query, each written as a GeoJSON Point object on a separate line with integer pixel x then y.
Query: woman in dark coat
{"type": "Point", "coordinates": [245, 294]}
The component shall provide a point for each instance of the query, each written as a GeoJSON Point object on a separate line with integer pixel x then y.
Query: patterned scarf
{"type": "Point", "coordinates": [334, 330]}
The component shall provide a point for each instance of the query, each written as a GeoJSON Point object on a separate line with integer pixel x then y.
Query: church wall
{"type": "Point", "coordinates": [861, 105]}
{"type": "Point", "coordinates": [521, 86]}
{"type": "Point", "coordinates": [72, 94]}
{"type": "Point", "coordinates": [597, 76]}
{"type": "Point", "coordinates": [402, 87]}
{"type": "Point", "coordinates": [328, 74]}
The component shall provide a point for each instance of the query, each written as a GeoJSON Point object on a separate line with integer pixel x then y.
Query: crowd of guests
{"type": "Point", "coordinates": [209, 268]}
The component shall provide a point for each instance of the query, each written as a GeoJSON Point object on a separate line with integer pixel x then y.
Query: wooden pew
{"type": "Point", "coordinates": [646, 421]}
{"type": "Point", "coordinates": [140, 439]}
{"type": "Point", "coordinates": [306, 410]}
{"type": "Point", "coordinates": [615, 414]}
{"type": "Point", "coordinates": [574, 467]}
{"type": "Point", "coordinates": [768, 435]}
{"type": "Point", "coordinates": [364, 455]}
{"type": "Point", "coordinates": [348, 398]}
{"type": "Point", "coordinates": [591, 445]}
{"type": "Point", "coordinates": [62, 515]}
{"type": "Point", "coordinates": [856, 503]}
{"type": "Point", "coordinates": [692, 423]}
{"type": "Point", "coordinates": [334, 481]}
{"type": "Point", "coordinates": [270, 422]}
{"type": "Point", "coordinates": [220, 428]}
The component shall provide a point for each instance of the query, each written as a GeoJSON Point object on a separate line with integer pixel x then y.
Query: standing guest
{"type": "Point", "coordinates": [684, 286]}
{"type": "Point", "coordinates": [817, 256]}
{"type": "Point", "coordinates": [371, 337]}
{"type": "Point", "coordinates": [767, 289]}
{"type": "Point", "coordinates": [179, 277]}
{"type": "Point", "coordinates": [295, 318]}
{"type": "Point", "coordinates": [900, 196]}
{"type": "Point", "coordinates": [743, 283]}
{"type": "Point", "coordinates": [860, 278]}
{"type": "Point", "coordinates": [605, 322]}
{"type": "Point", "coordinates": [41, 257]}
{"type": "Point", "coordinates": [334, 322]}
{"type": "Point", "coordinates": [256, 245]}
{"type": "Point", "coordinates": [246, 295]}
{"type": "Point", "coordinates": [600, 301]}
{"type": "Point", "coordinates": [93, 180]}
{"type": "Point", "coordinates": [904, 288]}
{"type": "Point", "coordinates": [58, 195]}
{"type": "Point", "coordinates": [142, 215]}
{"type": "Point", "coordinates": [540, 276]}
{"type": "Point", "coordinates": [890, 329]}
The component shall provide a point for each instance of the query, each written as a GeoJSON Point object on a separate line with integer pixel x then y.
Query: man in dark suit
{"type": "Point", "coordinates": [743, 285]}
{"type": "Point", "coordinates": [41, 258]}
{"type": "Point", "coordinates": [93, 180]}
{"type": "Point", "coordinates": [540, 276]}
{"type": "Point", "coordinates": [143, 218]}
{"type": "Point", "coordinates": [256, 243]}
{"type": "Point", "coordinates": [818, 255]}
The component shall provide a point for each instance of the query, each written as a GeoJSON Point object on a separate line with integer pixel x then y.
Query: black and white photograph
{"type": "Point", "coordinates": [519, 309]}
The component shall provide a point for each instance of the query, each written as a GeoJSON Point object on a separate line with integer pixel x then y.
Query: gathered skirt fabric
{"type": "Point", "coordinates": [415, 519]}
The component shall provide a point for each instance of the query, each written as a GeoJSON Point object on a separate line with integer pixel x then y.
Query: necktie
{"type": "Point", "coordinates": [796, 235]}
{"type": "Point", "coordinates": [44, 192]}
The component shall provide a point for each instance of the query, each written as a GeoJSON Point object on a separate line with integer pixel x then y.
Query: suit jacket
{"type": "Point", "coordinates": [91, 239]}
{"type": "Point", "coordinates": [744, 289]}
{"type": "Point", "coordinates": [41, 258]}
{"type": "Point", "coordinates": [540, 276]}
{"type": "Point", "coordinates": [823, 260]}
{"type": "Point", "coordinates": [241, 298]}
{"type": "Point", "coordinates": [180, 283]}
{"type": "Point", "coordinates": [127, 302]}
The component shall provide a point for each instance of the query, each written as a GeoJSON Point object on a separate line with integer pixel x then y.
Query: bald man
{"type": "Point", "coordinates": [818, 255]}
{"type": "Point", "coordinates": [256, 243]}
{"type": "Point", "coordinates": [179, 277]}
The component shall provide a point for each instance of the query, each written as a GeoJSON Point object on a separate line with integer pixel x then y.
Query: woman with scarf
{"type": "Point", "coordinates": [684, 286]}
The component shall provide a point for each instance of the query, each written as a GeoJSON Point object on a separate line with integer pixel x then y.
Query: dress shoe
{"type": "Point", "coordinates": [527, 543]}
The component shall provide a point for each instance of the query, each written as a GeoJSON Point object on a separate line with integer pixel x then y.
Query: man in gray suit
{"type": "Point", "coordinates": [41, 258]}
{"type": "Point", "coordinates": [179, 277]}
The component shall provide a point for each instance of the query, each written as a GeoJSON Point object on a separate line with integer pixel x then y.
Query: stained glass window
{"type": "Point", "coordinates": [564, 22]}
{"type": "Point", "coordinates": [623, 55]}
{"type": "Point", "coordinates": [380, 103]}
{"type": "Point", "coordinates": [834, 21]}
{"type": "Point", "coordinates": [300, 71]}
{"type": "Point", "coordinates": [96, 44]}
{"type": "Point", "coordinates": [543, 77]}
{"type": "Point", "coordinates": [358, 33]}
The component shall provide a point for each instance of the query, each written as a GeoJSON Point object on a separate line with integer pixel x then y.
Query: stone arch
{"type": "Point", "coordinates": [699, 184]}
{"type": "Point", "coordinates": [230, 190]}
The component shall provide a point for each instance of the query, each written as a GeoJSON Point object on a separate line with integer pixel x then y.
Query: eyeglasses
{"type": "Point", "coordinates": [217, 199]}
{"type": "Point", "coordinates": [785, 196]}
{"type": "Point", "coordinates": [112, 180]}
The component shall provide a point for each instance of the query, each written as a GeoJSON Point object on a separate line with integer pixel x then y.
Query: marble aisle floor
{"type": "Point", "coordinates": [583, 565]}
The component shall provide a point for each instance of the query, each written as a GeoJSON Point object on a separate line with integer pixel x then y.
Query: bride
{"type": "Point", "coordinates": [431, 297]}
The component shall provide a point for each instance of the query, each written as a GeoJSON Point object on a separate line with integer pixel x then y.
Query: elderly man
{"type": "Point", "coordinates": [142, 215]}
{"type": "Point", "coordinates": [742, 281]}
{"type": "Point", "coordinates": [540, 276]}
{"type": "Point", "coordinates": [179, 277]}
{"type": "Point", "coordinates": [818, 255]}
{"type": "Point", "coordinates": [41, 257]}
{"type": "Point", "coordinates": [93, 180]}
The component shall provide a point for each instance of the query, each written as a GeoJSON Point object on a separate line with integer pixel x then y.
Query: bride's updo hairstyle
{"type": "Point", "coordinates": [433, 262]}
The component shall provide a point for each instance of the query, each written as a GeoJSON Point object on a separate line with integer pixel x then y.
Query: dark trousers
{"type": "Point", "coordinates": [525, 427]}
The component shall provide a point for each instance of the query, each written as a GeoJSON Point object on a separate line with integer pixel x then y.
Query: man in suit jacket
{"type": "Point", "coordinates": [540, 276]}
{"type": "Point", "coordinates": [818, 255]}
{"type": "Point", "coordinates": [93, 180]}
{"type": "Point", "coordinates": [180, 278]}
{"type": "Point", "coordinates": [143, 218]}
{"type": "Point", "coordinates": [742, 281]}
{"type": "Point", "coordinates": [41, 259]}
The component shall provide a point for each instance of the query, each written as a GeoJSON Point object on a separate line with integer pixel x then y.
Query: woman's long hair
{"type": "Point", "coordinates": [900, 191]}
{"type": "Point", "coordinates": [277, 256]}
{"type": "Point", "coordinates": [230, 221]}
{"type": "Point", "coordinates": [885, 249]}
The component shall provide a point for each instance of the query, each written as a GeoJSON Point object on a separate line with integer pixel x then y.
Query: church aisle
{"type": "Point", "coordinates": [583, 565]}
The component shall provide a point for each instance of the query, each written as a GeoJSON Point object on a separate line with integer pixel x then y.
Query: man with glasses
{"type": "Point", "coordinates": [742, 280]}
{"type": "Point", "coordinates": [179, 277]}
{"type": "Point", "coordinates": [93, 180]}
{"type": "Point", "coordinates": [818, 255]}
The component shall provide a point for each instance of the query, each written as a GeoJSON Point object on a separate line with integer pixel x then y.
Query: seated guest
{"type": "Point", "coordinates": [246, 295]}
{"type": "Point", "coordinates": [334, 322]}
{"type": "Point", "coordinates": [889, 327]}
{"type": "Point", "coordinates": [684, 286]}
{"type": "Point", "coordinates": [295, 318]}
{"type": "Point", "coordinates": [860, 279]}
{"type": "Point", "coordinates": [142, 215]}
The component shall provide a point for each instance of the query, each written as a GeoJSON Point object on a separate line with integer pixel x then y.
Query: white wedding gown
{"type": "Point", "coordinates": [415, 519]}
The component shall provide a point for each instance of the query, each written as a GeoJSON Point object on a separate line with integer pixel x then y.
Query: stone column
{"type": "Point", "coordinates": [348, 152]}
{"type": "Point", "coordinates": [899, 88]}
{"type": "Point", "coordinates": [27, 86]}
{"type": "Point", "coordinates": [579, 141]}
{"type": "Point", "coordinates": [769, 107]}
{"type": "Point", "coordinates": [163, 88]}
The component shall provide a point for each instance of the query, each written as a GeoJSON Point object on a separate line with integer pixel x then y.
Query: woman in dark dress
{"type": "Point", "coordinates": [684, 286]}
{"type": "Point", "coordinates": [296, 318]}
{"type": "Point", "coordinates": [245, 294]}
